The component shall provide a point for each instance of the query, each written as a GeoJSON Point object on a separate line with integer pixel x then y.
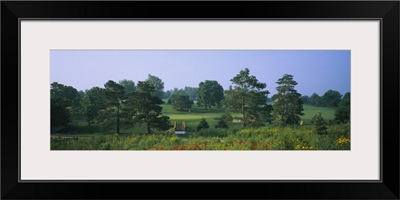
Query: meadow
{"type": "Point", "coordinates": [80, 136]}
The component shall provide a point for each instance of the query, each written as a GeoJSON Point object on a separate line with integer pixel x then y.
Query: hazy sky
{"type": "Point", "coordinates": [316, 71]}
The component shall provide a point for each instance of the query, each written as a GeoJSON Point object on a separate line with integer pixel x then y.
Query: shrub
{"type": "Point", "coordinates": [203, 124]}
{"type": "Point", "coordinates": [319, 124]}
{"type": "Point", "coordinates": [221, 124]}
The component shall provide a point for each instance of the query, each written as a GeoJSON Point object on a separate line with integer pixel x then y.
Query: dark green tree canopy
{"type": "Point", "coordinates": [114, 92]}
{"type": "Point", "coordinates": [288, 105]}
{"type": "Point", "coordinates": [92, 103]}
{"type": "Point", "coordinates": [221, 123]}
{"type": "Point", "coordinates": [69, 93]}
{"type": "Point", "coordinates": [342, 113]}
{"type": "Point", "coordinates": [315, 100]}
{"type": "Point", "coordinates": [306, 99]}
{"type": "Point", "coordinates": [64, 101]}
{"type": "Point", "coordinates": [331, 98]}
{"type": "Point", "coordinates": [181, 101]}
{"type": "Point", "coordinates": [210, 93]}
{"type": "Point", "coordinates": [143, 107]}
{"type": "Point", "coordinates": [114, 96]}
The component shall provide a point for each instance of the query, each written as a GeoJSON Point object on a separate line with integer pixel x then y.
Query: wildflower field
{"type": "Point", "coordinates": [266, 138]}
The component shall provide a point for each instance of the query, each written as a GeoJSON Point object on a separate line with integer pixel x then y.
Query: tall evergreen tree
{"type": "Point", "coordinates": [114, 98]}
{"type": "Point", "coordinates": [144, 108]}
{"type": "Point", "coordinates": [288, 105]}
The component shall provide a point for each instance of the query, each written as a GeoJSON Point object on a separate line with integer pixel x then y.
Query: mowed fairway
{"type": "Point", "coordinates": [311, 111]}
{"type": "Point", "coordinates": [193, 117]}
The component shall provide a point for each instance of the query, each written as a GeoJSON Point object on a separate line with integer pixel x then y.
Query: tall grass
{"type": "Point", "coordinates": [265, 138]}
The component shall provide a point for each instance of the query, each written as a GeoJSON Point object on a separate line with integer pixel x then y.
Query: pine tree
{"type": "Point", "coordinates": [288, 105]}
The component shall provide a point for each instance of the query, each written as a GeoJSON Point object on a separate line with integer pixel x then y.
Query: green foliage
{"type": "Point", "coordinates": [92, 103]}
{"type": "Point", "coordinates": [192, 92]}
{"type": "Point", "coordinates": [306, 99]}
{"type": "Point", "coordinates": [181, 101]}
{"type": "Point", "coordinates": [169, 101]}
{"type": "Point", "coordinates": [157, 84]}
{"type": "Point", "coordinates": [221, 123]}
{"type": "Point", "coordinates": [342, 113]}
{"type": "Point", "coordinates": [114, 97]}
{"type": "Point", "coordinates": [249, 98]}
{"type": "Point", "coordinates": [263, 138]}
{"type": "Point", "coordinates": [315, 100]}
{"type": "Point", "coordinates": [60, 114]}
{"type": "Point", "coordinates": [129, 86]}
{"type": "Point", "coordinates": [202, 124]}
{"type": "Point", "coordinates": [69, 93]}
{"type": "Point", "coordinates": [288, 106]}
{"type": "Point", "coordinates": [227, 117]}
{"type": "Point", "coordinates": [210, 93]}
{"type": "Point", "coordinates": [65, 102]}
{"type": "Point", "coordinates": [320, 125]}
{"type": "Point", "coordinates": [331, 98]}
{"type": "Point", "coordinates": [143, 107]}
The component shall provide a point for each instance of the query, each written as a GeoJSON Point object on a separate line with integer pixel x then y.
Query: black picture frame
{"type": "Point", "coordinates": [386, 11]}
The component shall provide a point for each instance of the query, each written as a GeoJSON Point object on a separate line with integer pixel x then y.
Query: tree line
{"type": "Point", "coordinates": [125, 104]}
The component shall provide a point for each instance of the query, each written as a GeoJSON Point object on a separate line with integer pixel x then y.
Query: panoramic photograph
{"type": "Point", "coordinates": [200, 100]}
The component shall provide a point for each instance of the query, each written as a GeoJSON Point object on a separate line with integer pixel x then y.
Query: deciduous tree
{"type": "Point", "coordinates": [181, 101]}
{"type": "Point", "coordinates": [157, 84]}
{"type": "Point", "coordinates": [129, 86]}
{"type": "Point", "coordinates": [249, 97]}
{"type": "Point", "coordinates": [331, 98]}
{"type": "Point", "coordinates": [92, 103]}
{"type": "Point", "coordinates": [342, 113]}
{"type": "Point", "coordinates": [210, 93]}
{"type": "Point", "coordinates": [64, 103]}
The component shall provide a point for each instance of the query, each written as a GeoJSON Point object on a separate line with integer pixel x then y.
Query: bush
{"type": "Point", "coordinates": [319, 124]}
{"type": "Point", "coordinates": [221, 124]}
{"type": "Point", "coordinates": [203, 124]}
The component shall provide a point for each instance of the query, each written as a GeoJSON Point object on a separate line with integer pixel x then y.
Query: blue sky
{"type": "Point", "coordinates": [316, 71]}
